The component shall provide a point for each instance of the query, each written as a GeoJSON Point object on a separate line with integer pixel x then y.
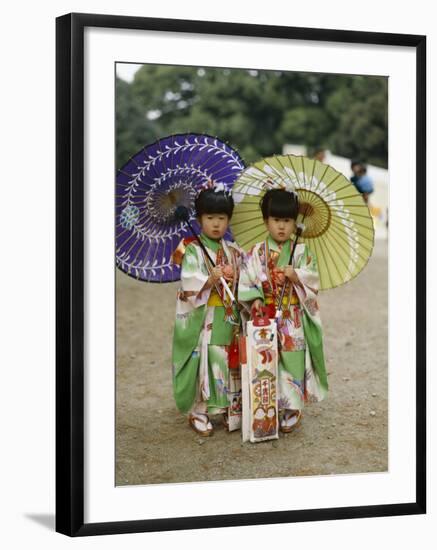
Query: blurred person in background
{"type": "Point", "coordinates": [361, 180]}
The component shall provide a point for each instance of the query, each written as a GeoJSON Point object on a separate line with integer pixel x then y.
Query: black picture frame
{"type": "Point", "coordinates": [70, 273]}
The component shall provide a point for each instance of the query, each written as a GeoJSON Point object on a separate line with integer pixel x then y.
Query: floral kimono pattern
{"type": "Point", "coordinates": [302, 372]}
{"type": "Point", "coordinates": [203, 329]}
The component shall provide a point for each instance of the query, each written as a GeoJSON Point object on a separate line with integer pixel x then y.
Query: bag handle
{"type": "Point", "coordinates": [260, 320]}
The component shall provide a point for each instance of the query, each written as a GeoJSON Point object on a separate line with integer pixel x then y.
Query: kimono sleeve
{"type": "Point", "coordinates": [308, 273]}
{"type": "Point", "coordinates": [316, 379]}
{"type": "Point", "coordinates": [194, 275]}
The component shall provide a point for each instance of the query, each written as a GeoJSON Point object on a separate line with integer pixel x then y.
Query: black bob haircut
{"type": "Point", "coordinates": [209, 201]}
{"type": "Point", "coordinates": [279, 203]}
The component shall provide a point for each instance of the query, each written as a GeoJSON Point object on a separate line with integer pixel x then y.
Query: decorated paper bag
{"type": "Point", "coordinates": [259, 381]}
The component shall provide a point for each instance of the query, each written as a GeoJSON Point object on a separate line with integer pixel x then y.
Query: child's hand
{"type": "Point", "coordinates": [215, 275]}
{"type": "Point", "coordinates": [278, 275]}
{"type": "Point", "coordinates": [228, 272]}
{"type": "Point", "coordinates": [291, 274]}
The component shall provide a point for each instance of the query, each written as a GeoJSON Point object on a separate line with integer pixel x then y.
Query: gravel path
{"type": "Point", "coordinates": [346, 433]}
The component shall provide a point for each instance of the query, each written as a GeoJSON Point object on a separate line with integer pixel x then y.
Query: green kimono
{"type": "Point", "coordinates": [302, 372]}
{"type": "Point", "coordinates": [203, 332]}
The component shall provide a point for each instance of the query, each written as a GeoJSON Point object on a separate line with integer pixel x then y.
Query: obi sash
{"type": "Point", "coordinates": [214, 299]}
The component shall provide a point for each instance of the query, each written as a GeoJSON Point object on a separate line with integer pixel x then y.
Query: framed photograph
{"type": "Point", "coordinates": [238, 390]}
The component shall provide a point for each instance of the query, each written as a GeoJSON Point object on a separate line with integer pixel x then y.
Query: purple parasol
{"type": "Point", "coordinates": [159, 178]}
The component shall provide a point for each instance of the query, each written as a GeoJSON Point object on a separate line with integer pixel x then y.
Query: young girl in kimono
{"type": "Point", "coordinates": [206, 321]}
{"type": "Point", "coordinates": [302, 374]}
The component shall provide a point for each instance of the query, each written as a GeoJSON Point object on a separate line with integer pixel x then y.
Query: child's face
{"type": "Point", "coordinates": [214, 225]}
{"type": "Point", "coordinates": [280, 229]}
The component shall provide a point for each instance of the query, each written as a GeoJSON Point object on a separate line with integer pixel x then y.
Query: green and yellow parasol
{"type": "Point", "coordinates": [337, 224]}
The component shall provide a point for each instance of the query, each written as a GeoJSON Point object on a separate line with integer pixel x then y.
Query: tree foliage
{"type": "Point", "coordinates": [256, 112]}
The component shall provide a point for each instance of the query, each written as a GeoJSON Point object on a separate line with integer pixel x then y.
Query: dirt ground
{"type": "Point", "coordinates": [346, 433]}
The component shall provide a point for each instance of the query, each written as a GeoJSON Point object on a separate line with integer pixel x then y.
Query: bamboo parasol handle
{"type": "Point", "coordinates": [299, 231]}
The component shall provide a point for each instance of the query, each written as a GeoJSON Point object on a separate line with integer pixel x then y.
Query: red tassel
{"type": "Point", "coordinates": [296, 317]}
{"type": "Point", "coordinates": [234, 355]}
{"type": "Point", "coordinates": [242, 346]}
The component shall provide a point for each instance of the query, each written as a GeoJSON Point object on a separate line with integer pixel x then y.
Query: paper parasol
{"type": "Point", "coordinates": [159, 178]}
{"type": "Point", "coordinates": [338, 225]}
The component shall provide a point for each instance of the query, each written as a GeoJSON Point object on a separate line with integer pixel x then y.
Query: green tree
{"type": "Point", "coordinates": [133, 129]}
{"type": "Point", "coordinates": [254, 111]}
{"type": "Point", "coordinates": [360, 107]}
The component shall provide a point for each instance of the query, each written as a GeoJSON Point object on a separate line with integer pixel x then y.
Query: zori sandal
{"type": "Point", "coordinates": [200, 424]}
{"type": "Point", "coordinates": [291, 421]}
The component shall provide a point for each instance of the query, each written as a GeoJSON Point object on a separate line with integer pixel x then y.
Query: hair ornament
{"type": "Point", "coordinates": [217, 187]}
{"type": "Point", "coordinates": [268, 184]}
{"type": "Point", "coordinates": [287, 186]}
